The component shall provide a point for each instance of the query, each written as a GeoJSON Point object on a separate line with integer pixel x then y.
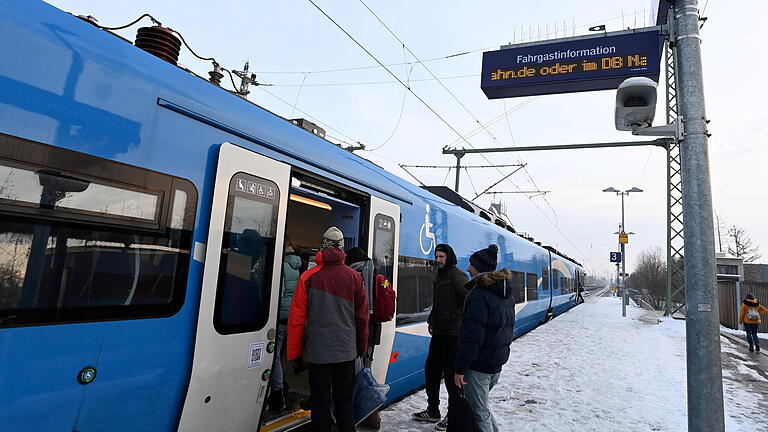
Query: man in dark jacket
{"type": "Point", "coordinates": [328, 328]}
{"type": "Point", "coordinates": [485, 333]}
{"type": "Point", "coordinates": [447, 306]}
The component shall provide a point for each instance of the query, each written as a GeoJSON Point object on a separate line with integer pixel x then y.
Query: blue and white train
{"type": "Point", "coordinates": [130, 299]}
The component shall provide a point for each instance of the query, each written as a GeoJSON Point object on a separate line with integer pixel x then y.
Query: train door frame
{"type": "Point", "coordinates": [230, 370]}
{"type": "Point", "coordinates": [383, 212]}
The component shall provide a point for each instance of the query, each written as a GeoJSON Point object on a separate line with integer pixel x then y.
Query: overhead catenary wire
{"type": "Point", "coordinates": [437, 58]}
{"type": "Point", "coordinates": [402, 106]}
{"type": "Point", "coordinates": [493, 137]}
{"type": "Point", "coordinates": [423, 102]}
{"type": "Point", "coordinates": [362, 83]}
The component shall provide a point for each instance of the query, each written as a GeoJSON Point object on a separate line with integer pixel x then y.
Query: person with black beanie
{"type": "Point", "coordinates": [447, 308]}
{"type": "Point", "coordinates": [485, 333]}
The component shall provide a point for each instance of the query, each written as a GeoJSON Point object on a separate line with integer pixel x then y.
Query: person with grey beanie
{"type": "Point", "coordinates": [328, 329]}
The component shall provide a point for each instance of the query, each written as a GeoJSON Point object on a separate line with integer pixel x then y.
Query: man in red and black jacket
{"type": "Point", "coordinates": [328, 329]}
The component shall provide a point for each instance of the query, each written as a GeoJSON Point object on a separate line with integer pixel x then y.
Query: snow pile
{"type": "Point", "coordinates": [592, 370]}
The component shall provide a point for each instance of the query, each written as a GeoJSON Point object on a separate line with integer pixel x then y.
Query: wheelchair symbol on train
{"type": "Point", "coordinates": [426, 231]}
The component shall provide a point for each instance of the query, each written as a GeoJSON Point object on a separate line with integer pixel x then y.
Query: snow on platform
{"type": "Point", "coordinates": [592, 370]}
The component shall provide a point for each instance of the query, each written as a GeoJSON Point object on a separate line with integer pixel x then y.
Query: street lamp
{"type": "Point", "coordinates": [623, 239]}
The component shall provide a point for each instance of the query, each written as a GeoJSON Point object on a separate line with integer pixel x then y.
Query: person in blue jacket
{"type": "Point", "coordinates": [291, 265]}
{"type": "Point", "coordinates": [485, 333]}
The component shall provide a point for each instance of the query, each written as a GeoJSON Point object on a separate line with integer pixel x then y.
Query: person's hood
{"type": "Point", "coordinates": [362, 265]}
{"type": "Point", "coordinates": [752, 302]}
{"type": "Point", "coordinates": [450, 260]}
{"type": "Point", "coordinates": [293, 260]}
{"type": "Point", "coordinates": [330, 256]}
{"type": "Point", "coordinates": [495, 282]}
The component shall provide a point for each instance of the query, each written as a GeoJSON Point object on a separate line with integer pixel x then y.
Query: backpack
{"type": "Point", "coordinates": [752, 314]}
{"type": "Point", "coordinates": [383, 300]}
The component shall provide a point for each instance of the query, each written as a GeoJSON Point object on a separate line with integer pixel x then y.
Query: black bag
{"type": "Point", "coordinates": [461, 418]}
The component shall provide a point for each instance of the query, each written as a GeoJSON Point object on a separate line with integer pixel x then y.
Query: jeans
{"type": "Point", "coordinates": [332, 381]}
{"type": "Point", "coordinates": [476, 390]}
{"type": "Point", "coordinates": [751, 330]}
{"type": "Point", "coordinates": [439, 365]}
{"type": "Point", "coordinates": [276, 380]}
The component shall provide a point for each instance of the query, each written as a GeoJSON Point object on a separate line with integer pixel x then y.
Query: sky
{"type": "Point", "coordinates": [292, 46]}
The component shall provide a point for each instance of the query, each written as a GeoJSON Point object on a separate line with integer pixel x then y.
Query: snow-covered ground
{"type": "Point", "coordinates": [592, 370]}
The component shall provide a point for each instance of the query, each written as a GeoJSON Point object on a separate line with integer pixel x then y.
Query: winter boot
{"type": "Point", "coordinates": [751, 348]}
{"type": "Point", "coordinates": [757, 348]}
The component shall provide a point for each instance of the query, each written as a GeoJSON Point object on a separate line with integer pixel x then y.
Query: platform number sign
{"type": "Point", "coordinates": [616, 257]}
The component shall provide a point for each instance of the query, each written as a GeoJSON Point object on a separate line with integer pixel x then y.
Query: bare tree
{"type": "Point", "coordinates": [720, 229]}
{"type": "Point", "coordinates": [650, 277]}
{"type": "Point", "coordinates": [742, 246]}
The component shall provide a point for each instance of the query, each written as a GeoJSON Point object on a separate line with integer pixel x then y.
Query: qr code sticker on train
{"type": "Point", "coordinates": [255, 355]}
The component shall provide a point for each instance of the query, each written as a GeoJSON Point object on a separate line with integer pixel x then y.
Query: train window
{"type": "Point", "coordinates": [532, 289]}
{"type": "Point", "coordinates": [76, 246]}
{"type": "Point", "coordinates": [545, 278]}
{"type": "Point", "coordinates": [247, 251]}
{"type": "Point", "coordinates": [51, 189]}
{"type": "Point", "coordinates": [414, 289]}
{"type": "Point", "coordinates": [555, 280]}
{"type": "Point", "coordinates": [518, 286]}
{"type": "Point", "coordinates": [384, 245]}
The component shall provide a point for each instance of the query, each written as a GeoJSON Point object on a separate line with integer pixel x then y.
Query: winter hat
{"type": "Point", "coordinates": [354, 255]}
{"type": "Point", "coordinates": [448, 251]}
{"type": "Point", "coordinates": [333, 238]}
{"type": "Point", "coordinates": [484, 260]}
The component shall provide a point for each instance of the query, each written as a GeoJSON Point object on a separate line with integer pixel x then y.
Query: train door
{"type": "Point", "coordinates": [241, 283]}
{"type": "Point", "coordinates": [384, 246]}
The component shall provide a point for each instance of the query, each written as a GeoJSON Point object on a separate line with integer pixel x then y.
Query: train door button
{"type": "Point", "coordinates": [86, 375]}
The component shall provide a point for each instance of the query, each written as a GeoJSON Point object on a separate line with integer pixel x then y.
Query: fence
{"type": "Point", "coordinates": [730, 303]}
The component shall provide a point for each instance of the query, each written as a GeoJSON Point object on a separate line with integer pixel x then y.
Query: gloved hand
{"type": "Point", "coordinates": [298, 365]}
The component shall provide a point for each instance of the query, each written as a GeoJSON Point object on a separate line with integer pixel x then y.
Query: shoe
{"type": "Point", "coordinates": [276, 400]}
{"type": "Point", "coordinates": [757, 348]}
{"type": "Point", "coordinates": [305, 404]}
{"type": "Point", "coordinates": [373, 421]}
{"type": "Point", "coordinates": [751, 348]}
{"type": "Point", "coordinates": [426, 416]}
{"type": "Point", "coordinates": [442, 424]}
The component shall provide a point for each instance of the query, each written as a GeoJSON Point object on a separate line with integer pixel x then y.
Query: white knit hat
{"type": "Point", "coordinates": [333, 237]}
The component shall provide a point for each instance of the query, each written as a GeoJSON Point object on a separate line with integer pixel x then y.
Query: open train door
{"type": "Point", "coordinates": [240, 294]}
{"type": "Point", "coordinates": [384, 238]}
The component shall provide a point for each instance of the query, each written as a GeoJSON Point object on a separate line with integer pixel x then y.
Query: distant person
{"type": "Point", "coordinates": [448, 294]}
{"type": "Point", "coordinates": [485, 333]}
{"type": "Point", "coordinates": [328, 328]}
{"type": "Point", "coordinates": [291, 265]}
{"type": "Point", "coordinates": [749, 315]}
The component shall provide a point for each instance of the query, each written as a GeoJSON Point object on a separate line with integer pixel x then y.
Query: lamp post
{"type": "Point", "coordinates": [623, 240]}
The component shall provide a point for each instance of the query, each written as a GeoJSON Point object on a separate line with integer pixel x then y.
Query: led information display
{"type": "Point", "coordinates": [570, 65]}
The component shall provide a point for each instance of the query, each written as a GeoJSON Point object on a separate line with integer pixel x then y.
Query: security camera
{"type": "Point", "coordinates": [635, 103]}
